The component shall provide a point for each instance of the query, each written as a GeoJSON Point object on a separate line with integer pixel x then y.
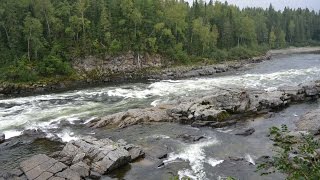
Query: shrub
{"type": "Point", "coordinates": [115, 47]}
{"type": "Point", "coordinates": [298, 159]}
{"type": "Point", "coordinates": [22, 71]}
{"type": "Point", "coordinates": [53, 65]}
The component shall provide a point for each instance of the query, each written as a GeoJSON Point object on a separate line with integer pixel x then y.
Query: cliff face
{"type": "Point", "coordinates": [125, 63]}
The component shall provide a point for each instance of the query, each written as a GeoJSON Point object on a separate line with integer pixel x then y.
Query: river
{"type": "Point", "coordinates": [63, 114]}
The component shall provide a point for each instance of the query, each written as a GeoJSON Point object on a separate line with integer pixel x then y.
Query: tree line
{"type": "Point", "coordinates": [41, 37]}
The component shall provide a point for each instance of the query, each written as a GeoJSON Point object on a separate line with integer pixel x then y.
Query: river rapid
{"type": "Point", "coordinates": [64, 115]}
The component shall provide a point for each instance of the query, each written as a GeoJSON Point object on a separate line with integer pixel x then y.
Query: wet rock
{"type": "Point", "coordinates": [35, 133]}
{"type": "Point", "coordinates": [157, 152]}
{"type": "Point", "coordinates": [132, 117]}
{"type": "Point", "coordinates": [40, 167]}
{"type": "Point", "coordinates": [12, 174]}
{"type": "Point", "coordinates": [201, 123]}
{"type": "Point", "coordinates": [247, 132]}
{"type": "Point", "coordinates": [269, 115]}
{"type": "Point", "coordinates": [114, 160]}
{"type": "Point", "coordinates": [223, 124]}
{"type": "Point", "coordinates": [68, 174]}
{"type": "Point", "coordinates": [190, 138]}
{"type": "Point", "coordinates": [311, 88]}
{"type": "Point", "coordinates": [234, 158]}
{"type": "Point", "coordinates": [80, 158]}
{"type": "Point", "coordinates": [264, 160]}
{"type": "Point", "coordinates": [309, 121]}
{"type": "Point", "coordinates": [136, 153]}
{"type": "Point", "coordinates": [2, 138]}
{"type": "Point", "coordinates": [81, 168]}
{"type": "Point", "coordinates": [94, 175]}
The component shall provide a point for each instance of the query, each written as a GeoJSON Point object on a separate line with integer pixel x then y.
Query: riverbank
{"type": "Point", "coordinates": [94, 76]}
{"type": "Point", "coordinates": [151, 73]}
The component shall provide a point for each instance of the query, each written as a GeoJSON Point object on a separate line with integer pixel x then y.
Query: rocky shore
{"type": "Point", "coordinates": [94, 74]}
{"type": "Point", "coordinates": [131, 68]}
{"type": "Point", "coordinates": [223, 108]}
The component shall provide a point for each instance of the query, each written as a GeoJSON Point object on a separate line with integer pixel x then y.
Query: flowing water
{"type": "Point", "coordinates": [194, 160]}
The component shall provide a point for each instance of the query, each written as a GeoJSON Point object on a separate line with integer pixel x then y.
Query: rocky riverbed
{"type": "Point", "coordinates": [202, 128]}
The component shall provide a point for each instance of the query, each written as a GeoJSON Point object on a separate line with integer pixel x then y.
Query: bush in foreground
{"type": "Point", "coordinates": [296, 156]}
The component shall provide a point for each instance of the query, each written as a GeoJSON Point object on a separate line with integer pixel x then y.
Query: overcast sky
{"type": "Point", "coordinates": [278, 4]}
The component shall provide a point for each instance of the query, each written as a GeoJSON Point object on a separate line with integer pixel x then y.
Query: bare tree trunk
{"type": "Point", "coordinates": [29, 38]}
{"type": "Point", "coordinates": [135, 30]}
{"type": "Point", "coordinates": [83, 29]}
{"type": "Point", "coordinates": [48, 25]}
{"type": "Point", "coordinates": [139, 63]}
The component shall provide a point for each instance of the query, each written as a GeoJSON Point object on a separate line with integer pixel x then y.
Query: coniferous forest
{"type": "Point", "coordinates": [40, 38]}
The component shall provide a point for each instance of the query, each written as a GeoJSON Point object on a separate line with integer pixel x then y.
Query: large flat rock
{"type": "Point", "coordinates": [80, 159]}
{"type": "Point", "coordinates": [215, 109]}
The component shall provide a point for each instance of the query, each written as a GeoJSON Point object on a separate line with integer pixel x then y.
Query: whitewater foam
{"type": "Point", "coordinates": [196, 156]}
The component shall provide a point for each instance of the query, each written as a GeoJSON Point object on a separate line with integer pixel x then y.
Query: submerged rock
{"type": "Point", "coordinates": [309, 122]}
{"type": "Point", "coordinates": [247, 132]}
{"type": "Point", "coordinates": [88, 157]}
{"type": "Point", "coordinates": [190, 138]}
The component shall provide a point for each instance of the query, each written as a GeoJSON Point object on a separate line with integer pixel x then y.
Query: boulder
{"type": "Point", "coordinates": [247, 132]}
{"type": "Point", "coordinates": [309, 121]}
{"type": "Point", "coordinates": [81, 159]}
{"type": "Point", "coordinates": [132, 117]}
{"type": "Point", "coordinates": [81, 168]}
{"type": "Point", "coordinates": [136, 153]}
{"type": "Point", "coordinates": [190, 138]}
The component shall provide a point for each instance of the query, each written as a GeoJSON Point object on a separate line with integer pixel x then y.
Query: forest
{"type": "Point", "coordinates": [40, 38]}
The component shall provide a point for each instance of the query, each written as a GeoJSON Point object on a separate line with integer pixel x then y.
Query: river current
{"type": "Point", "coordinates": [80, 106]}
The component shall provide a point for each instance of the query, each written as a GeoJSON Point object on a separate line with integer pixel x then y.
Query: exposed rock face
{"type": "Point", "coordinates": [220, 109]}
{"type": "Point", "coordinates": [128, 62]}
{"type": "Point", "coordinates": [309, 122]}
{"type": "Point", "coordinates": [79, 159]}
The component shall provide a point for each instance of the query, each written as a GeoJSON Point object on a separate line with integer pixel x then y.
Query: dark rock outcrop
{"type": "Point", "coordinates": [2, 138]}
{"type": "Point", "coordinates": [190, 138]}
{"type": "Point", "coordinates": [247, 132]}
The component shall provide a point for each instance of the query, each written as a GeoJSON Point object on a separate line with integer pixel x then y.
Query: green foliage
{"type": "Point", "coordinates": [69, 29]}
{"type": "Point", "coordinates": [53, 65]}
{"type": "Point", "coordinates": [299, 159]}
{"type": "Point", "coordinates": [23, 71]}
{"type": "Point", "coordinates": [115, 47]}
